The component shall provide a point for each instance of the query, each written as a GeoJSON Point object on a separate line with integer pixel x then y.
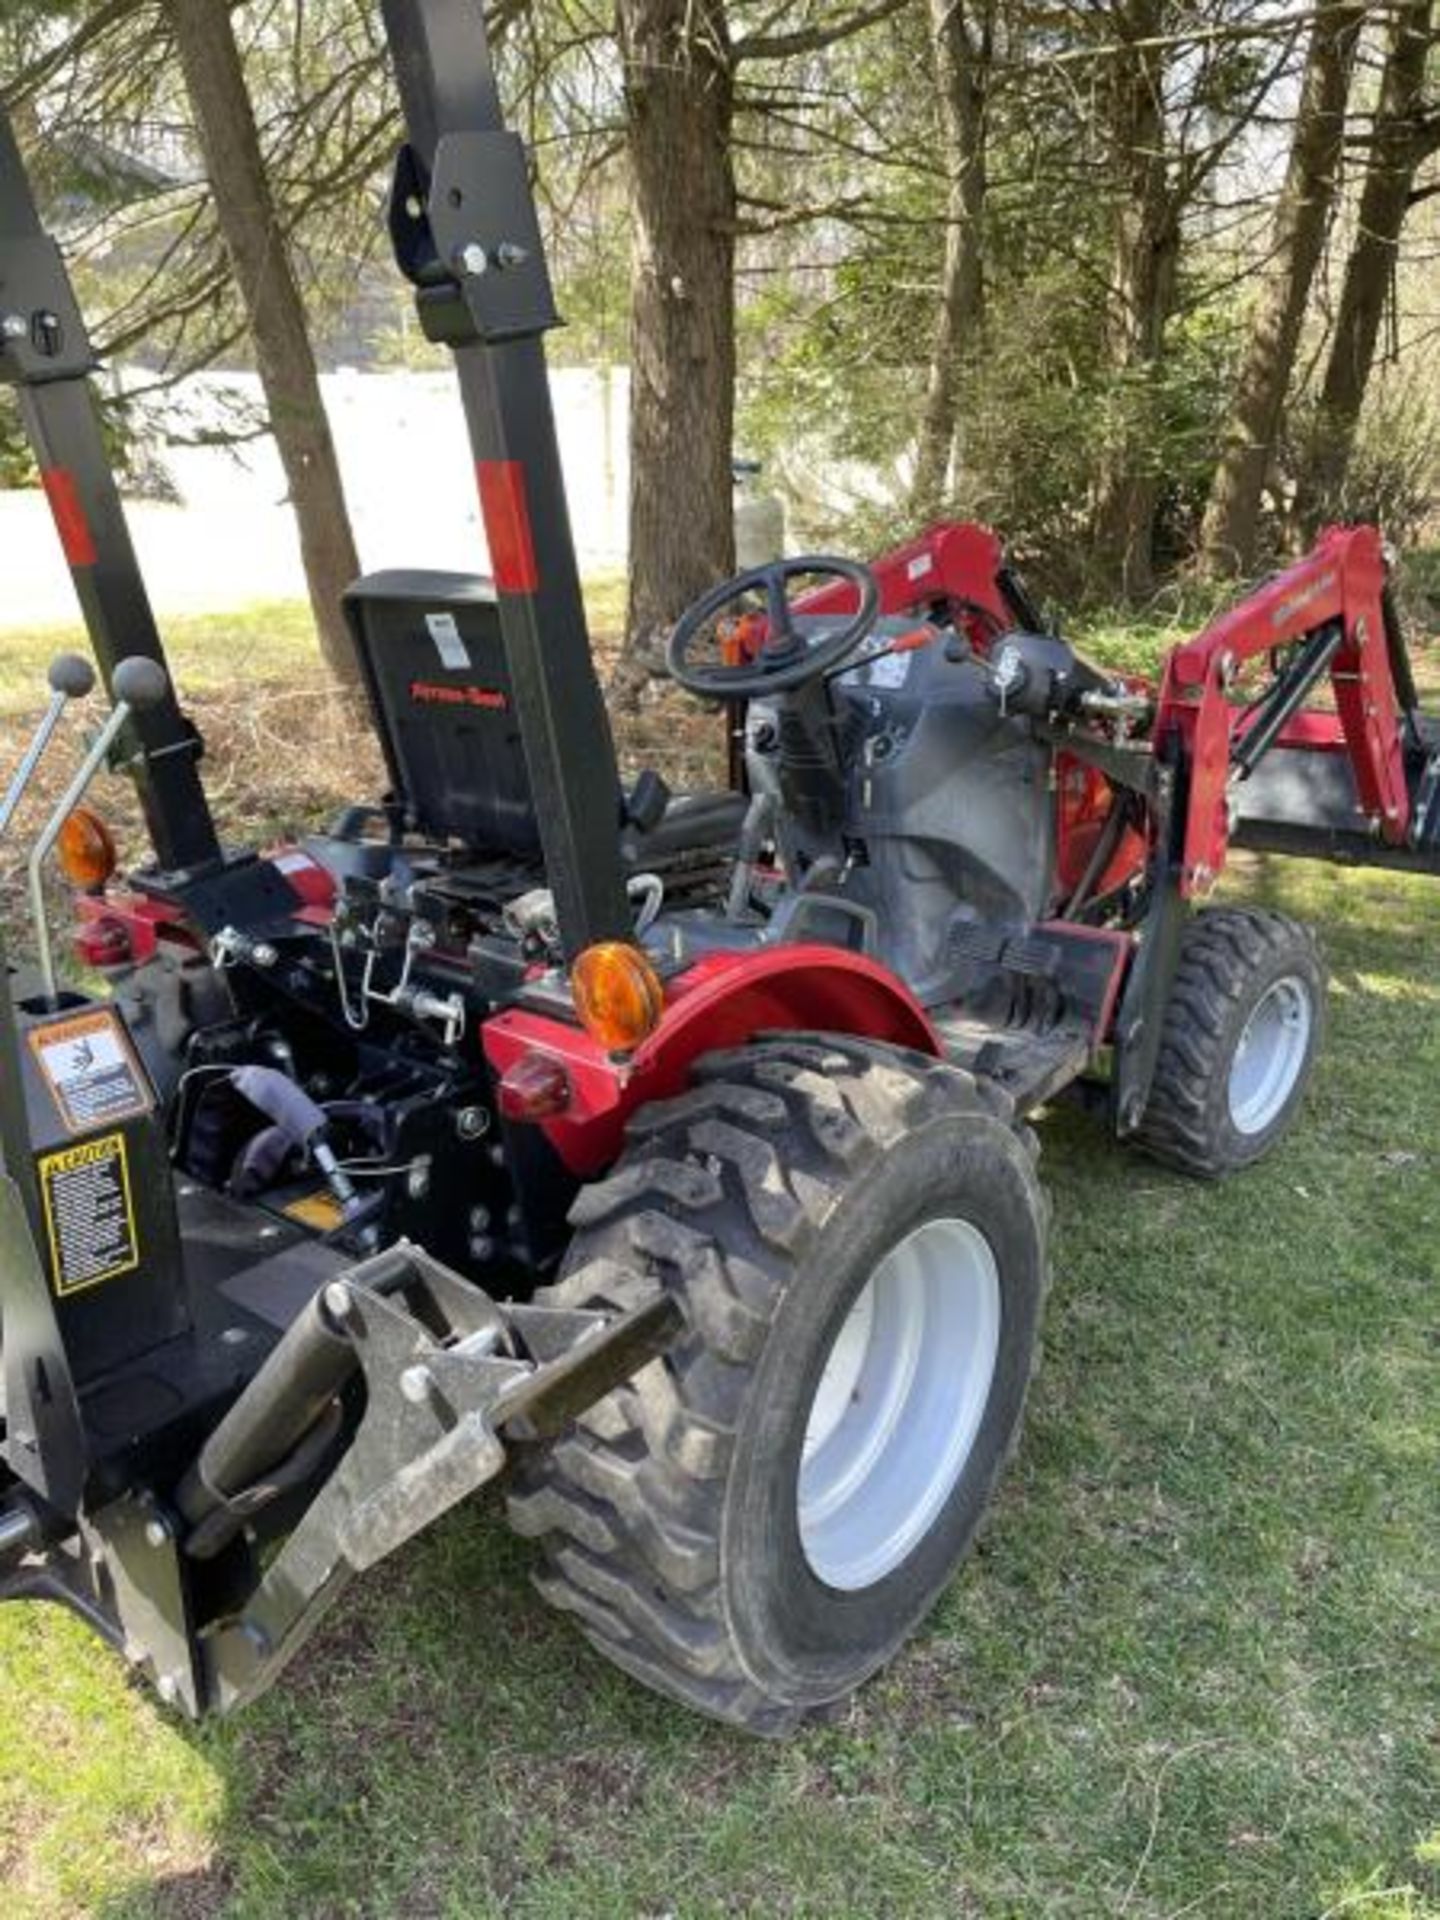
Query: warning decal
{"type": "Point", "coordinates": [90, 1070]}
{"type": "Point", "coordinates": [88, 1213]}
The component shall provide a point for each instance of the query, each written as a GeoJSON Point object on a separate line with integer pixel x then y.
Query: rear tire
{"type": "Point", "coordinates": [1242, 1031]}
{"type": "Point", "coordinates": [677, 1523]}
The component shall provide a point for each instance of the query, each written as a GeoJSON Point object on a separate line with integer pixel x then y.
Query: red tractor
{"type": "Point", "coordinates": [669, 1154]}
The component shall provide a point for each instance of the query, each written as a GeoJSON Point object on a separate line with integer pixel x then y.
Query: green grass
{"type": "Point", "coordinates": [209, 653]}
{"type": "Point", "coordinates": [220, 653]}
{"type": "Point", "coordinates": [1194, 1667]}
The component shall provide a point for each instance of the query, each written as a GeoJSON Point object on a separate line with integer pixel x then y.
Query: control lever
{"type": "Point", "coordinates": [287, 1106]}
{"type": "Point", "coordinates": [136, 685]}
{"type": "Point", "coordinates": [71, 677]}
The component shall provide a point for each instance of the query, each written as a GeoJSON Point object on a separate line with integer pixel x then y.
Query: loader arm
{"type": "Point", "coordinates": [1332, 618]}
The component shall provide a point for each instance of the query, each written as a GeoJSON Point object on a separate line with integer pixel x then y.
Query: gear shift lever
{"type": "Point", "coordinates": [71, 677]}
{"type": "Point", "coordinates": [135, 685]}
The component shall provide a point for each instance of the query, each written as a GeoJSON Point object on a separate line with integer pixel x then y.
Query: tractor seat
{"type": "Point", "coordinates": [434, 666]}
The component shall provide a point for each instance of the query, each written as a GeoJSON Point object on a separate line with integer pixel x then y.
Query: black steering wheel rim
{"type": "Point", "coordinates": [786, 660]}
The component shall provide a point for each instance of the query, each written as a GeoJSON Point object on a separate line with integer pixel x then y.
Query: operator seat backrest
{"type": "Point", "coordinates": [434, 667]}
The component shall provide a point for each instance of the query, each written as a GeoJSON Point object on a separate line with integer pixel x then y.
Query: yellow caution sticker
{"type": "Point", "coordinates": [89, 1214]}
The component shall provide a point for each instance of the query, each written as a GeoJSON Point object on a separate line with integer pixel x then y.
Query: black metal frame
{"type": "Point", "coordinates": [466, 235]}
{"type": "Point", "coordinates": [187, 1589]}
{"type": "Point", "coordinates": [45, 354]}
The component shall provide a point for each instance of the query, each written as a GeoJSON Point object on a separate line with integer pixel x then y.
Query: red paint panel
{"type": "Point", "coordinates": [146, 924]}
{"type": "Point", "coordinates": [70, 522]}
{"type": "Point", "coordinates": [507, 525]}
{"type": "Point", "coordinates": [955, 559]}
{"type": "Point", "coordinates": [723, 1000]}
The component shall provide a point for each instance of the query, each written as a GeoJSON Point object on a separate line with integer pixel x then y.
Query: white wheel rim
{"type": "Point", "coordinates": [900, 1401]}
{"type": "Point", "coordinates": [1271, 1055]}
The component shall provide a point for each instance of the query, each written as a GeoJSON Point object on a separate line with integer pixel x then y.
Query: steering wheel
{"type": "Point", "coordinates": [785, 659]}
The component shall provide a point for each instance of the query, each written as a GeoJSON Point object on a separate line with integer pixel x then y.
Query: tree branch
{"type": "Point", "coordinates": [784, 46]}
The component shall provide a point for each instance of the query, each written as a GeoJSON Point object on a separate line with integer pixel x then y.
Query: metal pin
{"type": "Point", "coordinates": [417, 1384]}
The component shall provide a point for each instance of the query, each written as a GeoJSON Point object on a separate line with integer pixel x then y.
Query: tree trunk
{"type": "Point", "coordinates": [679, 103]}
{"type": "Point", "coordinates": [260, 260]}
{"type": "Point", "coordinates": [1146, 250]}
{"type": "Point", "coordinates": [1402, 139]}
{"type": "Point", "coordinates": [1229, 533]}
{"type": "Point", "coordinates": [961, 58]}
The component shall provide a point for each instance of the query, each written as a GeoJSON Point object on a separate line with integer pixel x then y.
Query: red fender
{"type": "Point", "coordinates": [723, 1000]}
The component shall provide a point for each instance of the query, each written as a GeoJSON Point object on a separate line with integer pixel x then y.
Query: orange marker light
{"type": "Point", "coordinates": [618, 995]}
{"type": "Point", "coordinates": [85, 851]}
{"type": "Point", "coordinates": [740, 639]}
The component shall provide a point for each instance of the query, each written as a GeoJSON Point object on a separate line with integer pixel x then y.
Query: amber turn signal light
{"type": "Point", "coordinates": [618, 995]}
{"type": "Point", "coordinates": [85, 851]}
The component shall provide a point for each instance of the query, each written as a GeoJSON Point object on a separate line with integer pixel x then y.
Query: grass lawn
{"type": "Point", "coordinates": [1193, 1668]}
{"type": "Point", "coordinates": [209, 653]}
{"type": "Point", "coordinates": [222, 654]}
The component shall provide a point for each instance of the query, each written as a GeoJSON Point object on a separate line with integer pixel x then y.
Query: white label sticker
{"type": "Point", "coordinates": [891, 671]}
{"type": "Point", "coordinates": [448, 644]}
{"type": "Point", "coordinates": [887, 671]}
{"type": "Point", "coordinates": [922, 564]}
{"type": "Point", "coordinates": [90, 1070]}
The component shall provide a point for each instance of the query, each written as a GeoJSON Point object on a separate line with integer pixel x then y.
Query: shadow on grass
{"type": "Point", "coordinates": [1192, 1665]}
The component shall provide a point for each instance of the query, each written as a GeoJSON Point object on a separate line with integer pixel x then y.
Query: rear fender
{"type": "Point", "coordinates": [724, 1000]}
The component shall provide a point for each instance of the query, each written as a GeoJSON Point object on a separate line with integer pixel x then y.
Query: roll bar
{"type": "Point", "coordinates": [467, 237]}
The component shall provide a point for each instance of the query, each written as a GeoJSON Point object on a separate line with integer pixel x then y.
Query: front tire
{"type": "Point", "coordinates": [1242, 1030]}
{"type": "Point", "coordinates": [756, 1522]}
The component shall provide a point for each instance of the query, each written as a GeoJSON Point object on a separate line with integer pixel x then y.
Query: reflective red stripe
{"type": "Point", "coordinates": [70, 522]}
{"type": "Point", "coordinates": [507, 525]}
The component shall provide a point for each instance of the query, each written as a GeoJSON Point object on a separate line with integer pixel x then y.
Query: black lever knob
{"type": "Point", "coordinates": [72, 675]}
{"type": "Point", "coordinates": [139, 683]}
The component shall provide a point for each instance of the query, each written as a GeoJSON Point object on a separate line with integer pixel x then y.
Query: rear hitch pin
{"type": "Point", "coordinates": [476, 1345]}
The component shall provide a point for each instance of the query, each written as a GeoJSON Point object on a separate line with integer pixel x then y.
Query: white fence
{"type": "Point", "coordinates": [406, 463]}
